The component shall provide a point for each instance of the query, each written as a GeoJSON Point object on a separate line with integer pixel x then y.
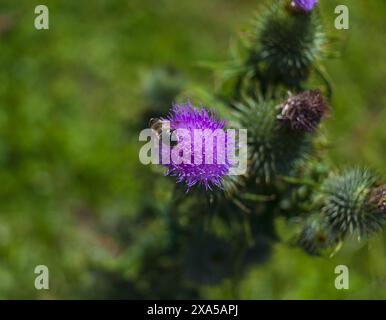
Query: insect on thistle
{"type": "Point", "coordinates": [162, 129]}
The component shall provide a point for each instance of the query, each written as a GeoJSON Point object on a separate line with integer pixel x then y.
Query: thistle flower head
{"type": "Point", "coordinates": [202, 153]}
{"type": "Point", "coordinates": [303, 112]}
{"type": "Point", "coordinates": [378, 198]}
{"type": "Point", "coordinates": [304, 5]}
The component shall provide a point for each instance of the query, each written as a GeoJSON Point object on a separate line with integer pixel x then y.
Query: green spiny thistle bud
{"type": "Point", "coordinates": [273, 148]}
{"type": "Point", "coordinates": [348, 206]}
{"type": "Point", "coordinates": [316, 236]}
{"type": "Point", "coordinates": [285, 46]}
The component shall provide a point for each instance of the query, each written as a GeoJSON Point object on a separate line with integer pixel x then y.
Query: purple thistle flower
{"type": "Point", "coordinates": [304, 5]}
{"type": "Point", "coordinates": [185, 119]}
{"type": "Point", "coordinates": [378, 197]}
{"type": "Point", "coordinates": [304, 111]}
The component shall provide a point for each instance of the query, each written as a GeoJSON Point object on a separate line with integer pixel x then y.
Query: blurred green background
{"type": "Point", "coordinates": [74, 196]}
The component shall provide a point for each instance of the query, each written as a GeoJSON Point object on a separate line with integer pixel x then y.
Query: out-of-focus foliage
{"type": "Point", "coordinates": [73, 194]}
